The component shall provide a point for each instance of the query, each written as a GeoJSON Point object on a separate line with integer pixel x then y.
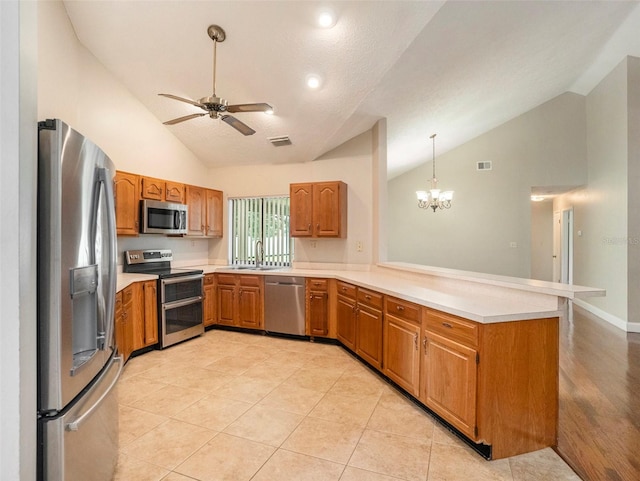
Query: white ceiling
{"type": "Point", "coordinates": [453, 68]}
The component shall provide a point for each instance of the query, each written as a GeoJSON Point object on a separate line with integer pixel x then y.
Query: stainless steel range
{"type": "Point", "coordinates": [180, 294]}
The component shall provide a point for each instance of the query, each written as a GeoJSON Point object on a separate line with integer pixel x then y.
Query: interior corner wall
{"type": "Point", "coordinates": [350, 162]}
{"type": "Point", "coordinates": [600, 209]}
{"type": "Point", "coordinates": [491, 210]}
{"type": "Point", "coordinates": [75, 87]}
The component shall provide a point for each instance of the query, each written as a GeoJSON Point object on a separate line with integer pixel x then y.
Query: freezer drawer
{"type": "Point", "coordinates": [82, 443]}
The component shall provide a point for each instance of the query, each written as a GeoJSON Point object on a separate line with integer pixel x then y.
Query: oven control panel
{"type": "Point", "coordinates": [145, 256]}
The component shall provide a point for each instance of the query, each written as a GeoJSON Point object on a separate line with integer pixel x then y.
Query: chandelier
{"type": "Point", "coordinates": [434, 198]}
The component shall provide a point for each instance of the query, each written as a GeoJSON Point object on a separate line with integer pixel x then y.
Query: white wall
{"type": "Point", "coordinates": [350, 162]}
{"type": "Point", "coordinates": [491, 209]}
{"type": "Point", "coordinates": [18, 153]}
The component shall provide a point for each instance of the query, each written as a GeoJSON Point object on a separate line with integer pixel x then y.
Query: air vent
{"type": "Point", "coordinates": [484, 165]}
{"type": "Point", "coordinates": [280, 141]}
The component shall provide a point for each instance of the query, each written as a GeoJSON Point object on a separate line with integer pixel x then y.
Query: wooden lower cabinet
{"type": "Point", "coordinates": [346, 318]}
{"type": "Point", "coordinates": [145, 314]}
{"type": "Point", "coordinates": [317, 312]}
{"type": "Point", "coordinates": [449, 374]}
{"type": "Point", "coordinates": [124, 332]}
{"type": "Point", "coordinates": [369, 327]}
{"type": "Point", "coordinates": [402, 353]}
{"type": "Point", "coordinates": [209, 300]}
{"type": "Point", "coordinates": [240, 300]}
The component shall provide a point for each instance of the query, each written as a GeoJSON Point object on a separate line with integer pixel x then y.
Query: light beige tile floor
{"type": "Point", "coordinates": [237, 407]}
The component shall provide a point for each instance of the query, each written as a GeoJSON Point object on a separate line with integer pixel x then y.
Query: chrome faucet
{"type": "Point", "coordinates": [259, 253]}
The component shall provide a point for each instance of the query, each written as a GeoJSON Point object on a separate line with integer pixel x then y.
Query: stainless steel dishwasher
{"type": "Point", "coordinates": [284, 305]}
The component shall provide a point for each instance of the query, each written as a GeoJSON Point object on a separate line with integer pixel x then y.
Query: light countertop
{"type": "Point", "coordinates": [480, 298]}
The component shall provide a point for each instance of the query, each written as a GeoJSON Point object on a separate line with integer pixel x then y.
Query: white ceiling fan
{"type": "Point", "coordinates": [214, 106]}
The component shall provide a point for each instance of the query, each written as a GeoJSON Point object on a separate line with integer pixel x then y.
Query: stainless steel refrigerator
{"type": "Point", "coordinates": [78, 366]}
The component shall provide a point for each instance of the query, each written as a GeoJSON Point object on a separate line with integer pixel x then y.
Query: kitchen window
{"type": "Point", "coordinates": [260, 225]}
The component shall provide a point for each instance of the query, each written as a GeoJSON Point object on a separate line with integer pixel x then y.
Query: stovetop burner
{"type": "Point", "coordinates": [155, 262]}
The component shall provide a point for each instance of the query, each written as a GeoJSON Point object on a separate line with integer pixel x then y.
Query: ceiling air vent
{"type": "Point", "coordinates": [280, 141]}
{"type": "Point", "coordinates": [483, 165]}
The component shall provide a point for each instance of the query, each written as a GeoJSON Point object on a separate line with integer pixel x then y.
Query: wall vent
{"type": "Point", "coordinates": [486, 165]}
{"type": "Point", "coordinates": [279, 141]}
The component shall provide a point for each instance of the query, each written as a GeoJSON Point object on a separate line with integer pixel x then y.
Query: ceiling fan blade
{"type": "Point", "coordinates": [249, 108]}
{"type": "Point", "coordinates": [175, 97]}
{"type": "Point", "coordinates": [236, 124]}
{"type": "Point", "coordinates": [182, 119]}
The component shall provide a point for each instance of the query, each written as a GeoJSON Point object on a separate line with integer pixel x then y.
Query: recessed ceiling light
{"type": "Point", "coordinates": [313, 81]}
{"type": "Point", "coordinates": [326, 19]}
{"type": "Point", "coordinates": [537, 198]}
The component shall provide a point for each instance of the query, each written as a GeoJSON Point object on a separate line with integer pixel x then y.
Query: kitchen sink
{"type": "Point", "coordinates": [253, 268]}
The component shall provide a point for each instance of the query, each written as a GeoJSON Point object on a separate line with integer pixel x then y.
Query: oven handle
{"type": "Point", "coordinates": [175, 280]}
{"type": "Point", "coordinates": [176, 304]}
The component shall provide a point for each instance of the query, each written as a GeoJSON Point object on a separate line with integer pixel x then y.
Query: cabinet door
{"type": "Point", "coordinates": [402, 353]}
{"type": "Point", "coordinates": [226, 308]}
{"type": "Point", "coordinates": [327, 213]}
{"type": "Point", "coordinates": [249, 312]}
{"type": "Point", "coordinates": [150, 313]}
{"type": "Point", "coordinates": [214, 213]}
{"type": "Point", "coordinates": [174, 192]}
{"type": "Point", "coordinates": [118, 324]}
{"type": "Point", "coordinates": [152, 188]}
{"type": "Point", "coordinates": [369, 335]}
{"type": "Point", "coordinates": [197, 210]}
{"type": "Point", "coordinates": [127, 321]}
{"type": "Point", "coordinates": [209, 301]}
{"type": "Point", "coordinates": [137, 319]}
{"type": "Point", "coordinates": [301, 210]}
{"type": "Point", "coordinates": [450, 381]}
{"type": "Point", "coordinates": [346, 314]}
{"type": "Point", "coordinates": [127, 202]}
{"type": "Point", "coordinates": [318, 313]}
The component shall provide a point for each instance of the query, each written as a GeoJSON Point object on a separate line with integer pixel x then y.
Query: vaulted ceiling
{"type": "Point", "coordinates": [454, 68]}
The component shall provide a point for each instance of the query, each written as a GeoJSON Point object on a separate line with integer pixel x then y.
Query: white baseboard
{"type": "Point", "coordinates": [610, 318]}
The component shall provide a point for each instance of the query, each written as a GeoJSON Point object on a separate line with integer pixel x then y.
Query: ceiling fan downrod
{"type": "Point", "coordinates": [217, 34]}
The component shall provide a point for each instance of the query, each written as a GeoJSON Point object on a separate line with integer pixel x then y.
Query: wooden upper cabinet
{"type": "Point", "coordinates": [174, 192]}
{"type": "Point", "coordinates": [126, 190]}
{"type": "Point", "coordinates": [205, 212]}
{"type": "Point", "coordinates": [164, 190]}
{"type": "Point", "coordinates": [197, 210]}
{"type": "Point", "coordinates": [318, 209]}
{"type": "Point", "coordinates": [214, 213]}
{"type": "Point", "coordinates": [301, 208]}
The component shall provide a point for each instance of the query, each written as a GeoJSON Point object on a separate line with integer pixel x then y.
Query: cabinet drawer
{"type": "Point", "coordinates": [318, 284]}
{"type": "Point", "coordinates": [226, 279]}
{"type": "Point", "coordinates": [370, 298]}
{"type": "Point", "coordinates": [118, 305]}
{"type": "Point", "coordinates": [346, 290]}
{"type": "Point", "coordinates": [250, 281]}
{"type": "Point", "coordinates": [127, 295]}
{"type": "Point", "coordinates": [403, 309]}
{"type": "Point", "coordinates": [208, 279]}
{"type": "Point", "coordinates": [452, 327]}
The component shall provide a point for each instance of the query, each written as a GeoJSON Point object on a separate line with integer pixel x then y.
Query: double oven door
{"type": "Point", "coordinates": [180, 308]}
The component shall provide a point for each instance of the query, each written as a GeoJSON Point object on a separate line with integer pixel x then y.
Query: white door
{"type": "Point", "coordinates": [567, 247]}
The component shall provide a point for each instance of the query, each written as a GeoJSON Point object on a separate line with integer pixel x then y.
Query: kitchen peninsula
{"type": "Point", "coordinates": [479, 351]}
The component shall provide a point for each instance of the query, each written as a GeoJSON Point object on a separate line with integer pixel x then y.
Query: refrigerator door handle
{"type": "Point", "coordinates": [75, 425]}
{"type": "Point", "coordinates": [105, 327]}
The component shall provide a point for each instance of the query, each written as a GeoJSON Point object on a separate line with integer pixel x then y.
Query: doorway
{"type": "Point", "coordinates": [563, 246]}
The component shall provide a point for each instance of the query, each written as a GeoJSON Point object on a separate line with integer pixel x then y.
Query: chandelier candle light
{"type": "Point", "coordinates": [434, 198]}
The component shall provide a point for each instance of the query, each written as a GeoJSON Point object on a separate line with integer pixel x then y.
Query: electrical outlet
{"type": "Point", "coordinates": [193, 243]}
{"type": "Point", "coordinates": [513, 245]}
{"type": "Point", "coordinates": [314, 244]}
{"type": "Point", "coordinates": [359, 246]}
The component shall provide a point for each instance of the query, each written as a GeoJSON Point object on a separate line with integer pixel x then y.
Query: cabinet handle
{"type": "Point", "coordinates": [400, 308]}
{"type": "Point", "coordinates": [415, 340]}
{"type": "Point", "coordinates": [309, 227]}
{"type": "Point", "coordinates": [424, 342]}
{"type": "Point", "coordinates": [344, 288]}
{"type": "Point", "coordinates": [367, 297]}
{"type": "Point", "coordinates": [447, 325]}
{"type": "Point", "coordinates": [240, 292]}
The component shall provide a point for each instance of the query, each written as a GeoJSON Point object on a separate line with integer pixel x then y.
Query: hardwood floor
{"type": "Point", "coordinates": [599, 416]}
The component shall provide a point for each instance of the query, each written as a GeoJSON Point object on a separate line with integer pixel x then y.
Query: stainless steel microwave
{"type": "Point", "coordinates": [163, 217]}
